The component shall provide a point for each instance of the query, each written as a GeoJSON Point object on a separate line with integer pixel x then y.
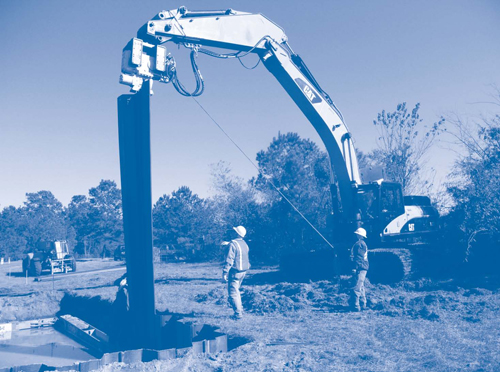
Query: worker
{"type": "Point", "coordinates": [235, 268]}
{"type": "Point", "coordinates": [359, 258]}
{"type": "Point", "coordinates": [119, 336]}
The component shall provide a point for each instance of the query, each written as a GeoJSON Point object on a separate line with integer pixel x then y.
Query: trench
{"type": "Point", "coordinates": [44, 345]}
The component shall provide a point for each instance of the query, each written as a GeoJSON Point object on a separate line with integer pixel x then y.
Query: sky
{"type": "Point", "coordinates": [60, 65]}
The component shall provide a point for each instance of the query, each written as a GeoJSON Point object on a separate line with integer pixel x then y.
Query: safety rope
{"type": "Point", "coordinates": [262, 173]}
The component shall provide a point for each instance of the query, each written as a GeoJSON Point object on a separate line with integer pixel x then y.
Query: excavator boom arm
{"type": "Point", "coordinates": [226, 29]}
{"type": "Point", "coordinates": [247, 32]}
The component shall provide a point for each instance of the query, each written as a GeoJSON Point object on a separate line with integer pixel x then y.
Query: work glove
{"type": "Point", "coordinates": [224, 277]}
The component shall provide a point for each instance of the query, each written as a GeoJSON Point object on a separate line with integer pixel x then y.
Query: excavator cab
{"type": "Point", "coordinates": [378, 203]}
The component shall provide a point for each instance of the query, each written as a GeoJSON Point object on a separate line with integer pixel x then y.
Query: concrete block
{"type": "Point", "coordinates": [90, 365]}
{"type": "Point", "coordinates": [167, 354]}
{"type": "Point", "coordinates": [198, 347]}
{"type": "Point", "coordinates": [183, 351]}
{"type": "Point", "coordinates": [110, 358]}
{"type": "Point", "coordinates": [131, 356]}
{"type": "Point", "coordinates": [73, 367]}
{"type": "Point", "coordinates": [28, 368]}
{"type": "Point", "coordinates": [220, 344]}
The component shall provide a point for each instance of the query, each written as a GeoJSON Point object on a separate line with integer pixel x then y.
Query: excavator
{"type": "Point", "coordinates": [396, 224]}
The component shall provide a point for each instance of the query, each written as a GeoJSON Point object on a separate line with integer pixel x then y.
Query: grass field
{"type": "Point", "coordinates": [413, 326]}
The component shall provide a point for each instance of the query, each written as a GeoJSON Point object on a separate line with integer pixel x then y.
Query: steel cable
{"type": "Point", "coordinates": [263, 174]}
{"type": "Point", "coordinates": [199, 90]}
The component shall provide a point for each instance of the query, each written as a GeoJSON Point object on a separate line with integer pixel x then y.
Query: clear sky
{"type": "Point", "coordinates": [60, 64]}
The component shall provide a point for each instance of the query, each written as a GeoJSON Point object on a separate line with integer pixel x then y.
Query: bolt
{"type": "Point", "coordinates": [151, 24]}
{"type": "Point", "coordinates": [168, 27]}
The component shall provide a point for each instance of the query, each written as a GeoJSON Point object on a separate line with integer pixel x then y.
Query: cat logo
{"type": "Point", "coordinates": [308, 91]}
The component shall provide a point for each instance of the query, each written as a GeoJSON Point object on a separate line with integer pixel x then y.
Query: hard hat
{"type": "Point", "coordinates": [240, 230]}
{"type": "Point", "coordinates": [360, 231]}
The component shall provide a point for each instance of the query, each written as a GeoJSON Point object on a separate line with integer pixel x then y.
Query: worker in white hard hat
{"type": "Point", "coordinates": [359, 259]}
{"type": "Point", "coordinates": [119, 333]}
{"type": "Point", "coordinates": [235, 268]}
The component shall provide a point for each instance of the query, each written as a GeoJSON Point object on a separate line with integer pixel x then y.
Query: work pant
{"type": "Point", "coordinates": [233, 288]}
{"type": "Point", "coordinates": [358, 291]}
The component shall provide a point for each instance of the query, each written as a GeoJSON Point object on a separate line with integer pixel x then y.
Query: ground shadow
{"type": "Point", "coordinates": [17, 274]}
{"type": "Point", "coordinates": [235, 342]}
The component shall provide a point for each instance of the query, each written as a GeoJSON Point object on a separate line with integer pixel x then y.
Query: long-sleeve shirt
{"type": "Point", "coordinates": [237, 256]}
{"type": "Point", "coordinates": [359, 255]}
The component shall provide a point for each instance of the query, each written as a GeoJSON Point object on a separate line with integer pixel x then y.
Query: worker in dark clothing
{"type": "Point", "coordinates": [119, 336]}
{"type": "Point", "coordinates": [359, 258]}
{"type": "Point", "coordinates": [235, 269]}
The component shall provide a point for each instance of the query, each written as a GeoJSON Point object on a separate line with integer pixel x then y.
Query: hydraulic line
{"type": "Point", "coordinates": [200, 84]}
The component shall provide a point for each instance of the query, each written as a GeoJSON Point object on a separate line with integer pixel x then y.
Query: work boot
{"type": "Point", "coordinates": [236, 316]}
{"type": "Point", "coordinates": [356, 309]}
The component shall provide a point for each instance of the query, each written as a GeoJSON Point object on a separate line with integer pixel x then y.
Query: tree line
{"type": "Point", "coordinates": [298, 168]}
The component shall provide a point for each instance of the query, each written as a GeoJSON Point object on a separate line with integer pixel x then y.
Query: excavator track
{"type": "Point", "coordinates": [390, 265]}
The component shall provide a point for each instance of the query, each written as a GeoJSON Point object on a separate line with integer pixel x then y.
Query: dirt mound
{"type": "Point", "coordinates": [432, 305]}
{"type": "Point", "coordinates": [282, 297]}
{"type": "Point", "coordinates": [409, 299]}
{"type": "Point", "coordinates": [217, 296]}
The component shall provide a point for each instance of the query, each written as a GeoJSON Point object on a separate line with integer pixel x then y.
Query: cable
{"type": "Point", "coordinates": [199, 90]}
{"type": "Point", "coordinates": [262, 173]}
{"type": "Point", "coordinates": [249, 68]}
